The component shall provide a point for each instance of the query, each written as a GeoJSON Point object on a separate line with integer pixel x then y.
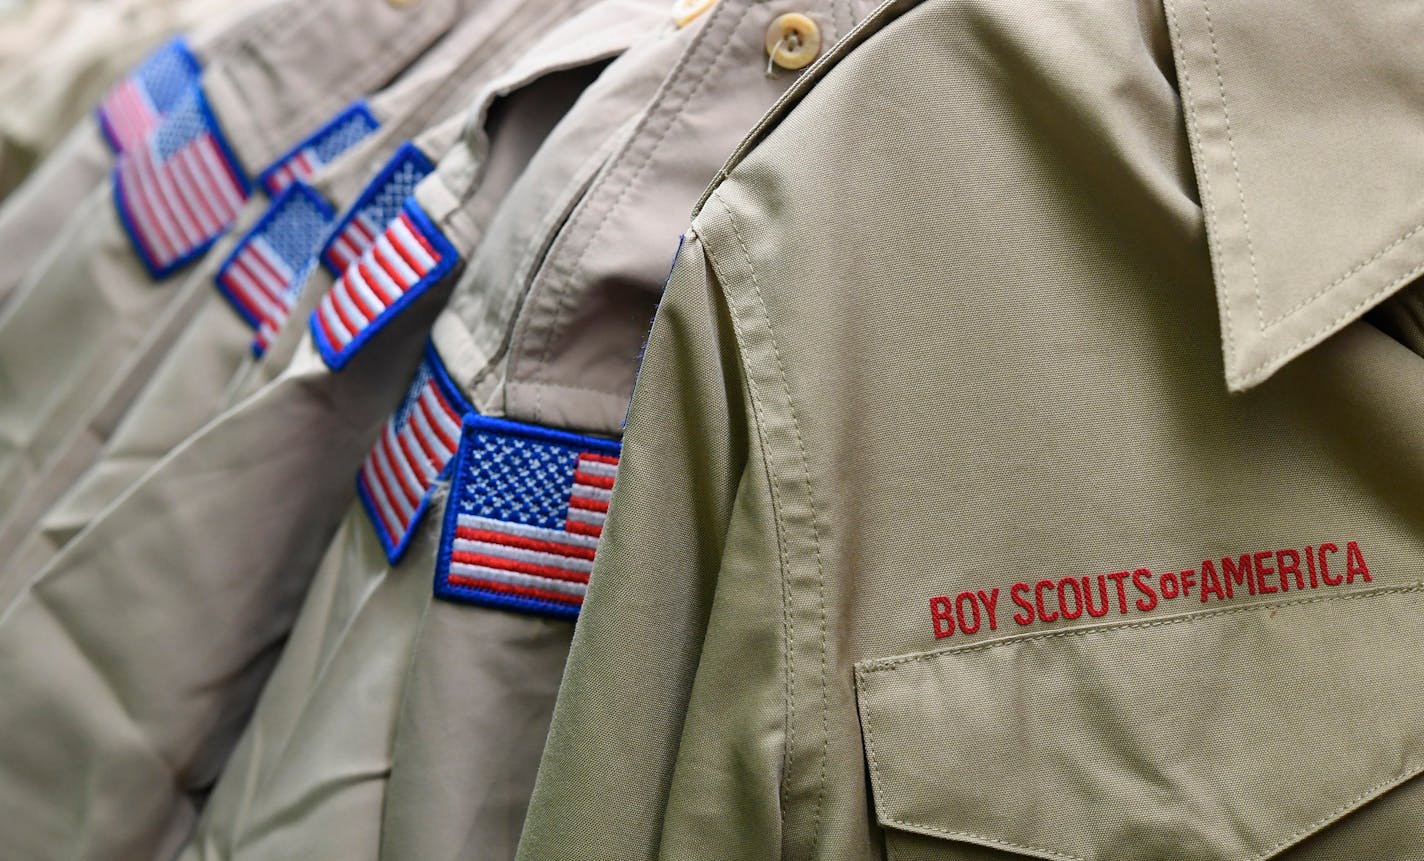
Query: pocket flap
{"type": "Point", "coordinates": [1231, 734]}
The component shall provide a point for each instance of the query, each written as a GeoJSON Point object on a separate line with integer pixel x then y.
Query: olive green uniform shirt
{"type": "Point", "coordinates": [1013, 471]}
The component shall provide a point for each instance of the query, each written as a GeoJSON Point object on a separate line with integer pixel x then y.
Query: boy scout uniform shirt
{"type": "Point", "coordinates": [48, 85]}
{"type": "Point", "coordinates": [210, 554]}
{"type": "Point", "coordinates": [558, 352]}
{"type": "Point", "coordinates": [177, 382]}
{"type": "Point", "coordinates": [32, 216]}
{"type": "Point", "coordinates": [1011, 473]}
{"type": "Point", "coordinates": [362, 614]}
{"type": "Point", "coordinates": [70, 327]}
{"type": "Point", "coordinates": [184, 375]}
{"type": "Point", "coordinates": [447, 679]}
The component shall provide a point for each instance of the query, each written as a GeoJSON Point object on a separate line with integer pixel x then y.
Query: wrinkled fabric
{"type": "Point", "coordinates": [32, 215]}
{"type": "Point", "coordinates": [270, 805]}
{"type": "Point", "coordinates": [72, 325]}
{"type": "Point", "coordinates": [927, 385]}
{"type": "Point", "coordinates": [59, 58]}
{"type": "Point", "coordinates": [187, 369]}
{"type": "Point", "coordinates": [163, 729]}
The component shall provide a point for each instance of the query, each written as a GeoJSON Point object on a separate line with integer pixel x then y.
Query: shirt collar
{"type": "Point", "coordinates": [1307, 136]}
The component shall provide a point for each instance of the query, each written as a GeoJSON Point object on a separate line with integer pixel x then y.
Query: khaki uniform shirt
{"type": "Point", "coordinates": [67, 332]}
{"type": "Point", "coordinates": [1017, 469]}
{"type": "Point", "coordinates": [562, 356]}
{"type": "Point", "coordinates": [356, 626]}
{"type": "Point", "coordinates": [175, 382]}
{"type": "Point", "coordinates": [466, 691]}
{"type": "Point", "coordinates": [72, 55]}
{"type": "Point", "coordinates": [149, 715]}
{"type": "Point", "coordinates": [32, 216]}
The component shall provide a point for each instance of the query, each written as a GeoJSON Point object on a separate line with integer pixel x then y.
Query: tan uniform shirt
{"type": "Point", "coordinates": [32, 216]}
{"type": "Point", "coordinates": [562, 357]}
{"type": "Point", "coordinates": [357, 624]}
{"type": "Point", "coordinates": [256, 495]}
{"type": "Point", "coordinates": [185, 369]}
{"type": "Point", "coordinates": [49, 82]}
{"type": "Point", "coordinates": [68, 330]}
{"type": "Point", "coordinates": [1011, 473]}
{"type": "Point", "coordinates": [466, 691]}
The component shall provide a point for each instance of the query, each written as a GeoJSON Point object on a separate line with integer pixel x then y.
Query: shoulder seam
{"type": "Point", "coordinates": [876, 20]}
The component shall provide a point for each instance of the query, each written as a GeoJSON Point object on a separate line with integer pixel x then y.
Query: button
{"type": "Point", "coordinates": [402, 4]}
{"type": "Point", "coordinates": [684, 12]}
{"type": "Point", "coordinates": [793, 41]}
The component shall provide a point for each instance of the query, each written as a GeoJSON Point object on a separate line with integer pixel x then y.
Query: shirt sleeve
{"type": "Point", "coordinates": [608, 768]}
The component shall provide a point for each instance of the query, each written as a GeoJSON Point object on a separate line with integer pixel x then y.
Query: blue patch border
{"type": "Point", "coordinates": [177, 43]}
{"type": "Point", "coordinates": [396, 549]}
{"type": "Point", "coordinates": [358, 107]}
{"type": "Point", "coordinates": [405, 152]}
{"type": "Point", "coordinates": [336, 359]}
{"type": "Point", "coordinates": [296, 188]}
{"type": "Point", "coordinates": [156, 271]}
{"type": "Point", "coordinates": [475, 423]}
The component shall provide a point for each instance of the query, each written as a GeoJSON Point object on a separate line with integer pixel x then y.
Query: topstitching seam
{"type": "Point", "coordinates": [815, 525]}
{"type": "Point", "coordinates": [788, 623]}
{"type": "Point", "coordinates": [1262, 323]}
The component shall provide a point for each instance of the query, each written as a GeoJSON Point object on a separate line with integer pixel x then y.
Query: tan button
{"type": "Point", "coordinates": [793, 41]}
{"type": "Point", "coordinates": [684, 12]}
{"type": "Point", "coordinates": [402, 4]}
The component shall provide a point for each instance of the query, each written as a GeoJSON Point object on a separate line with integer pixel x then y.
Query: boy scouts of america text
{"type": "Point", "coordinates": [1142, 590]}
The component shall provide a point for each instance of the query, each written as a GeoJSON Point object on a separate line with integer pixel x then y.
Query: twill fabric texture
{"type": "Point", "coordinates": [76, 322]}
{"type": "Point", "coordinates": [191, 367]}
{"type": "Point", "coordinates": [979, 500]}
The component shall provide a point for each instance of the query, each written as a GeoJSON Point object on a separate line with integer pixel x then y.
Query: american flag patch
{"type": "Point", "coordinates": [258, 277]}
{"type": "Point", "coordinates": [379, 203]}
{"type": "Point", "coordinates": [342, 132]}
{"type": "Point", "coordinates": [133, 107]}
{"type": "Point", "coordinates": [377, 206]}
{"type": "Point", "coordinates": [179, 190]}
{"type": "Point", "coordinates": [398, 267]}
{"type": "Point", "coordinates": [272, 328]}
{"type": "Point", "coordinates": [525, 516]}
{"type": "Point", "coordinates": [412, 451]}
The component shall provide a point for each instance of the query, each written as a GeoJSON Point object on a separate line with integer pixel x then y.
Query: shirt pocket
{"type": "Point", "coordinates": [1233, 734]}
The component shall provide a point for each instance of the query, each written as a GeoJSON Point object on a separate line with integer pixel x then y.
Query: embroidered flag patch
{"type": "Point", "coordinates": [525, 516]}
{"type": "Point", "coordinates": [340, 133]}
{"type": "Point", "coordinates": [180, 189]}
{"type": "Point", "coordinates": [377, 206]}
{"type": "Point", "coordinates": [257, 277]}
{"type": "Point", "coordinates": [133, 107]}
{"type": "Point", "coordinates": [272, 327]}
{"type": "Point", "coordinates": [399, 266]}
{"type": "Point", "coordinates": [412, 451]}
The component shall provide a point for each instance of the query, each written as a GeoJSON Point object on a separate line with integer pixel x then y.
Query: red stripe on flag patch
{"type": "Point", "coordinates": [403, 262]}
{"type": "Point", "coordinates": [410, 454]}
{"type": "Point", "coordinates": [180, 189]}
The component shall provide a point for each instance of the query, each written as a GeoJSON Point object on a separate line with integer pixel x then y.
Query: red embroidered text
{"type": "Point", "coordinates": [1141, 590]}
